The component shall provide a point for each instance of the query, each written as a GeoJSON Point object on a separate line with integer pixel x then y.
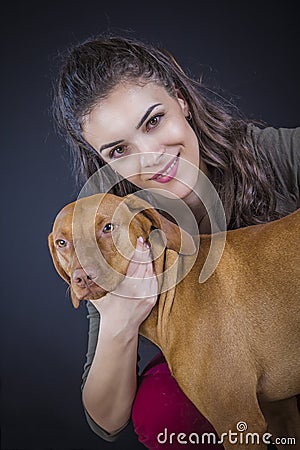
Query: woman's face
{"type": "Point", "coordinates": [143, 133]}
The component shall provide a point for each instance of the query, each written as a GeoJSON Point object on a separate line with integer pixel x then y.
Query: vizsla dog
{"type": "Point", "coordinates": [232, 342]}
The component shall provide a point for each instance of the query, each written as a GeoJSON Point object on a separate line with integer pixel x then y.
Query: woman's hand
{"type": "Point", "coordinates": [124, 309]}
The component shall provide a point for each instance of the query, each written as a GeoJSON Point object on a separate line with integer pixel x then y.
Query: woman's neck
{"type": "Point", "coordinates": [190, 212]}
{"type": "Point", "coordinates": [201, 198]}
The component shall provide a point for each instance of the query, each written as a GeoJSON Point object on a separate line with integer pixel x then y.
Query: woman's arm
{"type": "Point", "coordinates": [110, 385]}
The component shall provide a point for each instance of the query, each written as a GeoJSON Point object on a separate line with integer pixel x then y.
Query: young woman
{"type": "Point", "coordinates": [130, 106]}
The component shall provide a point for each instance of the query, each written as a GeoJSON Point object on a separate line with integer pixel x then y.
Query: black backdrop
{"type": "Point", "coordinates": [249, 48]}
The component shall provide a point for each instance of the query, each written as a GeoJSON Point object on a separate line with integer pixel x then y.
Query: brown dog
{"type": "Point", "coordinates": [232, 342]}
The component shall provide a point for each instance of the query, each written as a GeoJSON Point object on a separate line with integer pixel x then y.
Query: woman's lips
{"type": "Point", "coordinates": [168, 173]}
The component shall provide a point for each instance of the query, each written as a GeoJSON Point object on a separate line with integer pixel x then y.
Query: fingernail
{"type": "Point", "coordinates": [141, 240]}
{"type": "Point", "coordinates": [147, 245]}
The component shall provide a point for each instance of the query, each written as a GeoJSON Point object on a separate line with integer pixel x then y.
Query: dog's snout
{"type": "Point", "coordinates": [81, 278]}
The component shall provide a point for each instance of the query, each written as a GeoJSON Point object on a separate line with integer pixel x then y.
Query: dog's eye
{"type": "Point", "coordinates": [108, 228]}
{"type": "Point", "coordinates": [61, 243]}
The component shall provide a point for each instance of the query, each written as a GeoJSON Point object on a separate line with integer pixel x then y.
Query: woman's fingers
{"type": "Point", "coordinates": [140, 280]}
{"type": "Point", "coordinates": [140, 257]}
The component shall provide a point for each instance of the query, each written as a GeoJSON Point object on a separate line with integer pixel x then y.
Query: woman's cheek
{"type": "Point", "coordinates": [127, 166]}
{"type": "Point", "coordinates": [171, 135]}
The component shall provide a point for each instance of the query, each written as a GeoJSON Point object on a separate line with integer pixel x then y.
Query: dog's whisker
{"type": "Point", "coordinates": [68, 291]}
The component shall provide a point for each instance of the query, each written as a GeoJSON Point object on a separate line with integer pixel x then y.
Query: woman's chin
{"type": "Point", "coordinates": [171, 189]}
{"type": "Point", "coordinates": [176, 190]}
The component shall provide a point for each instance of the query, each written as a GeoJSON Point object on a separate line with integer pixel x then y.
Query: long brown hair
{"type": "Point", "coordinates": [241, 174]}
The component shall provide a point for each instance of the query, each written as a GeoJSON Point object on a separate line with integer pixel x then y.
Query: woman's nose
{"type": "Point", "coordinates": [150, 151]}
{"type": "Point", "coordinates": [150, 158]}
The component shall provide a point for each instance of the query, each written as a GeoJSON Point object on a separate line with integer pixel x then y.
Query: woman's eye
{"type": "Point", "coordinates": [153, 122]}
{"type": "Point", "coordinates": [117, 152]}
{"type": "Point", "coordinates": [61, 243]}
{"type": "Point", "coordinates": [108, 228]}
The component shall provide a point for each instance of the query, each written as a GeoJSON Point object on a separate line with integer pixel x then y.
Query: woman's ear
{"type": "Point", "coordinates": [182, 102]}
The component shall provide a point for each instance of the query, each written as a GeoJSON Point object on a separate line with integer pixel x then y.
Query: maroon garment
{"type": "Point", "coordinates": [161, 408]}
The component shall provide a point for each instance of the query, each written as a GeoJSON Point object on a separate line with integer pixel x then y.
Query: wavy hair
{"type": "Point", "coordinates": [241, 174]}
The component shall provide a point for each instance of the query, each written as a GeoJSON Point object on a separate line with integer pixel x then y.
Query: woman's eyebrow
{"type": "Point", "coordinates": [147, 113]}
{"type": "Point", "coordinates": [111, 144]}
{"type": "Point", "coordinates": [149, 110]}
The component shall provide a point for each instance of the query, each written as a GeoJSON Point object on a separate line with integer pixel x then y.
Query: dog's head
{"type": "Point", "coordinates": [93, 241]}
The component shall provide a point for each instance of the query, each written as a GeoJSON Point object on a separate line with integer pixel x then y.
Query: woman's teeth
{"type": "Point", "coordinates": [169, 169]}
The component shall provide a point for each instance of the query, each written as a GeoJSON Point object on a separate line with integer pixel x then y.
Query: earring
{"type": "Point", "coordinates": [189, 116]}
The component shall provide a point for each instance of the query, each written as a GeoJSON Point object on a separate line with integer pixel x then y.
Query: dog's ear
{"type": "Point", "coordinates": [56, 263]}
{"type": "Point", "coordinates": [75, 300]}
{"type": "Point", "coordinates": [176, 238]}
{"type": "Point", "coordinates": [60, 270]}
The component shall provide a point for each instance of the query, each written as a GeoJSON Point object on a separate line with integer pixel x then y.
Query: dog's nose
{"type": "Point", "coordinates": [81, 278]}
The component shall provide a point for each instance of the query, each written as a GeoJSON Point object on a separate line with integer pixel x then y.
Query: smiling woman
{"type": "Point", "coordinates": [130, 107]}
{"type": "Point", "coordinates": [117, 73]}
{"type": "Point", "coordinates": [143, 121]}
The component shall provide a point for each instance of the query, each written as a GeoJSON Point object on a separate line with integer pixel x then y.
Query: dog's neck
{"type": "Point", "coordinates": [156, 326]}
{"type": "Point", "coordinates": [169, 266]}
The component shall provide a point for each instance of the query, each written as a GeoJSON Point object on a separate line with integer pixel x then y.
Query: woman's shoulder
{"type": "Point", "coordinates": [281, 137]}
{"type": "Point", "coordinates": [281, 147]}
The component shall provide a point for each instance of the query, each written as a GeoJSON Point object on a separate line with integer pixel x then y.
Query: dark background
{"type": "Point", "coordinates": [250, 49]}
